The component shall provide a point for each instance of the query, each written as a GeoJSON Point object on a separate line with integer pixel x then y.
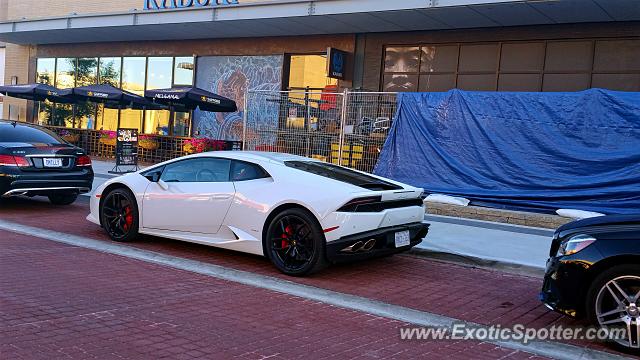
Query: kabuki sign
{"type": "Point", "coordinates": [185, 4]}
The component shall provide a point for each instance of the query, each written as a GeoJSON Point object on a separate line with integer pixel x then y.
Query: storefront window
{"type": "Point", "coordinates": [46, 71]}
{"type": "Point", "coordinates": [159, 76]}
{"type": "Point", "coordinates": [133, 74]}
{"type": "Point", "coordinates": [181, 123]}
{"type": "Point", "coordinates": [156, 122]}
{"type": "Point", "coordinates": [183, 71]}
{"type": "Point", "coordinates": [66, 73]}
{"type": "Point", "coordinates": [160, 73]}
{"type": "Point", "coordinates": [110, 71]}
{"type": "Point", "coordinates": [131, 119]}
{"type": "Point", "coordinates": [87, 72]}
{"type": "Point", "coordinates": [85, 115]}
{"type": "Point", "coordinates": [107, 119]}
{"type": "Point", "coordinates": [307, 72]}
{"type": "Point", "coordinates": [65, 78]}
{"type": "Point", "coordinates": [63, 115]}
{"type": "Point", "coordinates": [44, 112]}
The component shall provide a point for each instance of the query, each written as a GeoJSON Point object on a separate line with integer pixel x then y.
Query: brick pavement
{"type": "Point", "coordinates": [471, 294]}
{"type": "Point", "coordinates": [64, 302]}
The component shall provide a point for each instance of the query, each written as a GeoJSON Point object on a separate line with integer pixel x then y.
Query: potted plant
{"type": "Point", "coordinates": [148, 142]}
{"type": "Point", "coordinates": [68, 136]}
{"type": "Point", "coordinates": [199, 145]}
{"type": "Point", "coordinates": [108, 137]}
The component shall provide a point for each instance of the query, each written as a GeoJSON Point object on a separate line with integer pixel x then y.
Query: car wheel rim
{"type": "Point", "coordinates": [118, 215]}
{"type": "Point", "coordinates": [618, 307]}
{"type": "Point", "coordinates": [292, 243]}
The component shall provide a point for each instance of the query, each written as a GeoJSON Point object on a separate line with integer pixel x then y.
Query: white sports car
{"type": "Point", "coordinates": [300, 213]}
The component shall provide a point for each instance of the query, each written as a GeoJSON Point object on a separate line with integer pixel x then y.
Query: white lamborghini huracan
{"type": "Point", "coordinates": [300, 213]}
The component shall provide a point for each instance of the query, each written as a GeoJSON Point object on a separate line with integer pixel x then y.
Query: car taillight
{"type": "Point", "coordinates": [83, 160]}
{"type": "Point", "coordinates": [352, 206]}
{"type": "Point", "coordinates": [8, 160]}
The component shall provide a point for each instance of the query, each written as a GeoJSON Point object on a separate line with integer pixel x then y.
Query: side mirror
{"type": "Point", "coordinates": [153, 175]}
{"type": "Point", "coordinates": [163, 185]}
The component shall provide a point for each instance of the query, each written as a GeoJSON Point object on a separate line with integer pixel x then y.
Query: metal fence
{"type": "Point", "coordinates": [347, 128]}
{"type": "Point", "coordinates": [151, 148]}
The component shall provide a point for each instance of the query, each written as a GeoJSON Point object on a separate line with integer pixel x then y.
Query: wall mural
{"type": "Point", "coordinates": [231, 77]}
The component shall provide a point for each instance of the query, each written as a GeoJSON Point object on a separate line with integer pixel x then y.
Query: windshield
{"type": "Point", "coordinates": [27, 134]}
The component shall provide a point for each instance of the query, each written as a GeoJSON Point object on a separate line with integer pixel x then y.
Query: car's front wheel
{"type": "Point", "coordinates": [295, 243]}
{"type": "Point", "coordinates": [119, 215]}
{"type": "Point", "coordinates": [63, 199]}
{"type": "Point", "coordinates": [613, 303]}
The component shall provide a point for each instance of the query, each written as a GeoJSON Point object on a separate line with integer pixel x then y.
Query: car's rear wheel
{"type": "Point", "coordinates": [613, 302]}
{"type": "Point", "coordinates": [119, 215]}
{"type": "Point", "coordinates": [295, 243]}
{"type": "Point", "coordinates": [63, 199]}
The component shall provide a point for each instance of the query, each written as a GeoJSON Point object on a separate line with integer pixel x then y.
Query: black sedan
{"type": "Point", "coordinates": [594, 272]}
{"type": "Point", "coordinates": [35, 161]}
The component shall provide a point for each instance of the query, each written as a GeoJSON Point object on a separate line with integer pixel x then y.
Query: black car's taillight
{"type": "Point", "coordinates": [83, 160]}
{"type": "Point", "coordinates": [352, 206]}
{"type": "Point", "coordinates": [9, 160]}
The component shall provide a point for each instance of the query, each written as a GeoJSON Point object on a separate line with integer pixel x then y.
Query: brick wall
{"type": "Point", "coordinates": [17, 60]}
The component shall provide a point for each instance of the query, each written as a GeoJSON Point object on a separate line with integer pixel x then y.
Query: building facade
{"type": "Point", "coordinates": [231, 47]}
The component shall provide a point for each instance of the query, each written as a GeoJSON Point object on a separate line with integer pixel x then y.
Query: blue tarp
{"type": "Point", "coordinates": [539, 151]}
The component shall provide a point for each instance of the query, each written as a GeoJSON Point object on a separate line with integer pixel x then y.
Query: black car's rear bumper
{"type": "Point", "coordinates": [338, 251]}
{"type": "Point", "coordinates": [14, 182]}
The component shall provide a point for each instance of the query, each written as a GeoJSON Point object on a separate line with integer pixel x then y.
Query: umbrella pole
{"type": "Point", "coordinates": [172, 119]}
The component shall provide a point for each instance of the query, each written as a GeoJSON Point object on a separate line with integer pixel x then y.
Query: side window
{"type": "Point", "coordinates": [197, 170]}
{"type": "Point", "coordinates": [244, 171]}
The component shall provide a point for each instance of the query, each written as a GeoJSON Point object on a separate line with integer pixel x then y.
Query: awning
{"type": "Point", "coordinates": [112, 97]}
{"type": "Point", "coordinates": [191, 98]}
{"type": "Point", "coordinates": [37, 92]}
{"type": "Point", "coordinates": [298, 17]}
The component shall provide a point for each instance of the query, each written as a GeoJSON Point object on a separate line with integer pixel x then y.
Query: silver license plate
{"type": "Point", "coordinates": [53, 163]}
{"type": "Point", "coordinates": [403, 238]}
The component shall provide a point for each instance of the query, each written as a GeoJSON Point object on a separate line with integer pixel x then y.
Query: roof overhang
{"type": "Point", "coordinates": [297, 17]}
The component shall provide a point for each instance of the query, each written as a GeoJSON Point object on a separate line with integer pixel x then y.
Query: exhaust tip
{"type": "Point", "coordinates": [353, 248]}
{"type": "Point", "coordinates": [369, 245]}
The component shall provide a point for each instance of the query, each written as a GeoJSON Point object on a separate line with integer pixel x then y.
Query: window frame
{"type": "Point", "coordinates": [265, 173]}
{"type": "Point", "coordinates": [200, 158]}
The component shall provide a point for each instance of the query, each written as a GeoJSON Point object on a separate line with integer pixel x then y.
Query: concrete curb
{"type": "Point", "coordinates": [472, 261]}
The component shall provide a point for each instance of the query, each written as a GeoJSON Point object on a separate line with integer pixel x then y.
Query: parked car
{"type": "Point", "coordinates": [36, 162]}
{"type": "Point", "coordinates": [300, 213]}
{"type": "Point", "coordinates": [594, 272]}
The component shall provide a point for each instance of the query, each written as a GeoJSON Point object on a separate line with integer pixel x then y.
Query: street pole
{"type": "Point", "coordinates": [343, 120]}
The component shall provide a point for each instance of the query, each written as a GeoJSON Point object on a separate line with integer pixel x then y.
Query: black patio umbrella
{"type": "Point", "coordinates": [37, 92]}
{"type": "Point", "coordinates": [190, 98]}
{"type": "Point", "coordinates": [113, 97]}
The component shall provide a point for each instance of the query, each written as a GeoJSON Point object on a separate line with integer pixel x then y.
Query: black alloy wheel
{"type": "Point", "coordinates": [119, 215]}
{"type": "Point", "coordinates": [295, 243]}
{"type": "Point", "coordinates": [613, 302]}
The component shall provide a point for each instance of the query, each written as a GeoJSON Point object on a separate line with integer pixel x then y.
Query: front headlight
{"type": "Point", "coordinates": [575, 244]}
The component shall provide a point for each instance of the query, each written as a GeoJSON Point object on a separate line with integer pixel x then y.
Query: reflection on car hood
{"type": "Point", "coordinates": [602, 221]}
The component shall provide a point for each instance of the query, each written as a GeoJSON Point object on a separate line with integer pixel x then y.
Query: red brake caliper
{"type": "Point", "coordinates": [287, 232]}
{"type": "Point", "coordinates": [128, 218]}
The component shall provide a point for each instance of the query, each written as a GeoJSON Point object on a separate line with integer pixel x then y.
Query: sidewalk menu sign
{"type": "Point", "coordinates": [126, 150]}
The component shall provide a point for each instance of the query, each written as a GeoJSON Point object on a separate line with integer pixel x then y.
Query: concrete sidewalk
{"type": "Point", "coordinates": [475, 241]}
